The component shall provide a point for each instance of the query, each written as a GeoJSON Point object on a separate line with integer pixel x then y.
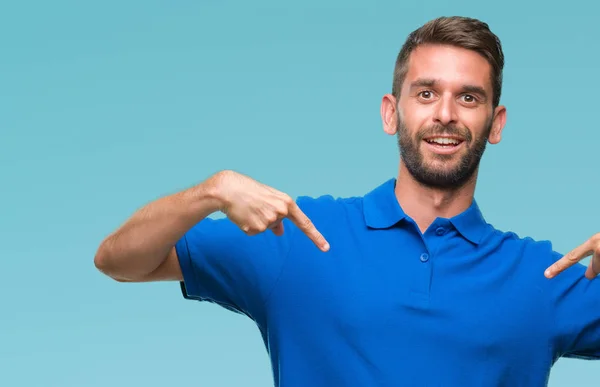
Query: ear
{"type": "Point", "coordinates": [389, 115]}
{"type": "Point", "coordinates": [497, 125]}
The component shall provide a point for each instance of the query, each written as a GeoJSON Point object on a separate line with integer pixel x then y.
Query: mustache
{"type": "Point", "coordinates": [445, 130]}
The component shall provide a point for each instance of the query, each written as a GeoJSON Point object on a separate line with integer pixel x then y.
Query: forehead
{"type": "Point", "coordinates": [451, 66]}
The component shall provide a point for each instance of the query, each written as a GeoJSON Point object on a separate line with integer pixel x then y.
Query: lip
{"type": "Point", "coordinates": [439, 149]}
{"type": "Point", "coordinates": [450, 136]}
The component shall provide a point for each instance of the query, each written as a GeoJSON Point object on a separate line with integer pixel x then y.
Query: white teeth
{"type": "Point", "coordinates": [443, 140]}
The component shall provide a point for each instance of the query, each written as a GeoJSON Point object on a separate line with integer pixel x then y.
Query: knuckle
{"type": "Point", "coordinates": [279, 208]}
{"type": "Point", "coordinates": [287, 200]}
{"type": "Point", "coordinates": [283, 209]}
{"type": "Point", "coordinates": [253, 229]}
{"type": "Point", "coordinates": [271, 218]}
{"type": "Point", "coordinates": [261, 228]}
{"type": "Point", "coordinates": [595, 239]}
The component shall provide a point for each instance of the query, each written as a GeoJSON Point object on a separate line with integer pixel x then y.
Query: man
{"type": "Point", "coordinates": [406, 286]}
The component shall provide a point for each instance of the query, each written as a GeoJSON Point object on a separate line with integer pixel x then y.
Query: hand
{"type": "Point", "coordinates": [590, 247]}
{"type": "Point", "coordinates": [255, 207]}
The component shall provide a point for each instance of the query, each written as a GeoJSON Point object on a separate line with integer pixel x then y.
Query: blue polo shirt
{"type": "Point", "coordinates": [462, 304]}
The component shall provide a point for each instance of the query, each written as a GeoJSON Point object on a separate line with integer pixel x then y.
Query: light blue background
{"type": "Point", "coordinates": [105, 106]}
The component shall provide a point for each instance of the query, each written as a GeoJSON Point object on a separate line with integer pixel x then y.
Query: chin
{"type": "Point", "coordinates": [445, 175]}
{"type": "Point", "coordinates": [442, 163]}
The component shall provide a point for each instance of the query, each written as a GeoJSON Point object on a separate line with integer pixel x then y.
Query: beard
{"type": "Point", "coordinates": [452, 174]}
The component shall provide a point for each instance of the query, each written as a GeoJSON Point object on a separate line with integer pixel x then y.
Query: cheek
{"type": "Point", "coordinates": [480, 127]}
{"type": "Point", "coordinates": [415, 117]}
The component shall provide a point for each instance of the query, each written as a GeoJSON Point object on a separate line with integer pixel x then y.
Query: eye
{"type": "Point", "coordinates": [425, 94]}
{"type": "Point", "coordinates": [468, 98]}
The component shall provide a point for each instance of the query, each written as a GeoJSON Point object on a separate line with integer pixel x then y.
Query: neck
{"type": "Point", "coordinates": [424, 204]}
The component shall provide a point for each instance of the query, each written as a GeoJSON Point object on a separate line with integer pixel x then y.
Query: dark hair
{"type": "Point", "coordinates": [464, 32]}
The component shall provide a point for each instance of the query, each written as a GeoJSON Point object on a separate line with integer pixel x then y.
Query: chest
{"type": "Point", "coordinates": [417, 300]}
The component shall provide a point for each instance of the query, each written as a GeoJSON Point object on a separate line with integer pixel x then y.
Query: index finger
{"type": "Point", "coordinates": [569, 259]}
{"type": "Point", "coordinates": [300, 219]}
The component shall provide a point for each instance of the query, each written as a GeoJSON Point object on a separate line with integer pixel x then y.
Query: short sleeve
{"type": "Point", "coordinates": [576, 308]}
{"type": "Point", "coordinates": [223, 265]}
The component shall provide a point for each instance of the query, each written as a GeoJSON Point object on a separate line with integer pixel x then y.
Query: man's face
{"type": "Point", "coordinates": [445, 115]}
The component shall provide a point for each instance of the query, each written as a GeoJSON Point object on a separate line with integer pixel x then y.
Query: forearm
{"type": "Point", "coordinates": [144, 241]}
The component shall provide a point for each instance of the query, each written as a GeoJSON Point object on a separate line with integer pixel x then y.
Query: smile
{"type": "Point", "coordinates": [443, 145]}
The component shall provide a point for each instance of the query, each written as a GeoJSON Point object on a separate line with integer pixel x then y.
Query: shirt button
{"type": "Point", "coordinates": [440, 231]}
{"type": "Point", "coordinates": [424, 257]}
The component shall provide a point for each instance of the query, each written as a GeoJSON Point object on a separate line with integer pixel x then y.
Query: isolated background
{"type": "Point", "coordinates": [105, 106]}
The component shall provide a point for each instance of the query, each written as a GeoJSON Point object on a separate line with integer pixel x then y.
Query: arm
{"type": "Point", "coordinates": [575, 293]}
{"type": "Point", "coordinates": [143, 249]}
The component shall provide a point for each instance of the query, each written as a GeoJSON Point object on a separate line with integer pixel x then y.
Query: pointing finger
{"type": "Point", "coordinates": [569, 259]}
{"type": "Point", "coordinates": [305, 224]}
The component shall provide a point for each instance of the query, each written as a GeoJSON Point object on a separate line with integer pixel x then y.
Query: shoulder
{"type": "Point", "coordinates": [327, 209]}
{"type": "Point", "coordinates": [524, 246]}
{"type": "Point", "coordinates": [533, 253]}
{"type": "Point", "coordinates": [523, 260]}
{"type": "Point", "coordinates": [334, 217]}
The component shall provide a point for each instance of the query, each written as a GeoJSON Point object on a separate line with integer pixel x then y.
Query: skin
{"type": "Point", "coordinates": [142, 249]}
{"type": "Point", "coordinates": [458, 102]}
{"type": "Point", "coordinates": [447, 91]}
{"type": "Point", "coordinates": [450, 106]}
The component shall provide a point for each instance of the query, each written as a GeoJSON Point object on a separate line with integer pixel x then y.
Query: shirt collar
{"type": "Point", "coordinates": [471, 223]}
{"type": "Point", "coordinates": [382, 210]}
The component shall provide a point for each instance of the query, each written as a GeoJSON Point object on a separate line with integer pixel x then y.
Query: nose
{"type": "Point", "coordinates": [445, 112]}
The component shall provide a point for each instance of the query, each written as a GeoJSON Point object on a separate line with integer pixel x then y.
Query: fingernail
{"type": "Point", "coordinates": [547, 273]}
{"type": "Point", "coordinates": [326, 246]}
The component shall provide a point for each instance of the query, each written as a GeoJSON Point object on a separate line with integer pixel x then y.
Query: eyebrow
{"type": "Point", "coordinates": [429, 82]}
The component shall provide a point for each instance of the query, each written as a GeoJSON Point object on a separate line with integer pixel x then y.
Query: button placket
{"type": "Point", "coordinates": [421, 281]}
